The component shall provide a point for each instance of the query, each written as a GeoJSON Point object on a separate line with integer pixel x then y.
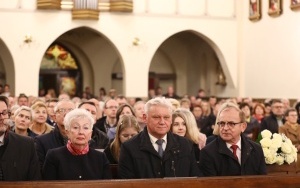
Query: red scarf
{"type": "Point", "coordinates": [75, 151]}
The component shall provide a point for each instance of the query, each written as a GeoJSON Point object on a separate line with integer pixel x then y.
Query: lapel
{"type": "Point", "coordinates": [223, 149]}
{"type": "Point", "coordinates": [173, 147]}
{"type": "Point", "coordinates": [145, 144]}
{"type": "Point", "coordinates": [246, 149]}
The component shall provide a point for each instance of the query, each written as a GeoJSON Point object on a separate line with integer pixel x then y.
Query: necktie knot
{"type": "Point", "coordinates": [160, 150]}
{"type": "Point", "coordinates": [159, 142]}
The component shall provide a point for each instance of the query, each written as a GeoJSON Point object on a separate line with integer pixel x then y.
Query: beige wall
{"type": "Point", "coordinates": [252, 54]}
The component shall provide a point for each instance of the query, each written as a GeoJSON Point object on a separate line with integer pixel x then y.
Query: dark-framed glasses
{"type": "Point", "coordinates": [63, 110]}
{"type": "Point", "coordinates": [230, 124]}
{"type": "Point", "coordinates": [4, 113]}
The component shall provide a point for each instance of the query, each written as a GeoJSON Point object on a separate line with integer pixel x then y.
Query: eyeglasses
{"type": "Point", "coordinates": [111, 107]}
{"type": "Point", "coordinates": [4, 113]}
{"type": "Point", "coordinates": [63, 111]}
{"type": "Point", "coordinates": [230, 124]}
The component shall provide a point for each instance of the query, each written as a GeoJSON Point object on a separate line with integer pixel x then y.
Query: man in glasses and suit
{"type": "Point", "coordinates": [18, 158]}
{"type": "Point", "coordinates": [231, 153]}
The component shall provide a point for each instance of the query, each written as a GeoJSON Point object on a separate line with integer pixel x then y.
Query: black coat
{"type": "Point", "coordinates": [19, 161]}
{"type": "Point", "coordinates": [139, 159]}
{"type": "Point", "coordinates": [270, 123]}
{"type": "Point", "coordinates": [60, 164]}
{"type": "Point", "coordinates": [48, 141]}
{"type": "Point", "coordinates": [54, 140]}
{"type": "Point", "coordinates": [217, 160]}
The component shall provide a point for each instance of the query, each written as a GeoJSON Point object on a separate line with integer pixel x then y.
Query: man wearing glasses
{"type": "Point", "coordinates": [275, 120]}
{"type": "Point", "coordinates": [18, 159]}
{"type": "Point", "coordinates": [108, 122]}
{"type": "Point", "coordinates": [57, 137]}
{"type": "Point", "coordinates": [231, 153]}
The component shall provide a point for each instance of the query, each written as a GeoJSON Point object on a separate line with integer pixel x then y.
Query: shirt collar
{"type": "Point", "coordinates": [2, 140]}
{"type": "Point", "coordinates": [154, 139]}
{"type": "Point", "coordinates": [239, 144]}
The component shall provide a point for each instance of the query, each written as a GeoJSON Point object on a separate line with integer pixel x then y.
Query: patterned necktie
{"type": "Point", "coordinates": [234, 148]}
{"type": "Point", "coordinates": [160, 150]}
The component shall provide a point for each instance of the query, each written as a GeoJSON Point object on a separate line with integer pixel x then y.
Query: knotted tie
{"type": "Point", "coordinates": [160, 150]}
{"type": "Point", "coordinates": [234, 148]}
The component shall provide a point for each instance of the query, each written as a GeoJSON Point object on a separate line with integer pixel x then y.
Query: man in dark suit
{"type": "Point", "coordinates": [231, 153]}
{"type": "Point", "coordinates": [18, 158]}
{"type": "Point", "coordinates": [155, 152]}
{"type": "Point", "coordinates": [57, 137]}
{"type": "Point", "coordinates": [275, 120]}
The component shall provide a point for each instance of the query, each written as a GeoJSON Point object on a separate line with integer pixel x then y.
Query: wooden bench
{"type": "Point", "coordinates": [230, 181]}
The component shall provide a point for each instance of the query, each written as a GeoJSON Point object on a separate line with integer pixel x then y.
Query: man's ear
{"type": "Point", "coordinates": [244, 126]}
{"type": "Point", "coordinates": [144, 118]}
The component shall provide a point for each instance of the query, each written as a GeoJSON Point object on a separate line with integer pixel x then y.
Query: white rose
{"type": "Point", "coordinates": [289, 159]}
{"type": "Point", "coordinates": [276, 142]}
{"type": "Point", "coordinates": [279, 160]}
{"type": "Point", "coordinates": [266, 151]}
{"type": "Point", "coordinates": [286, 148]}
{"type": "Point", "coordinates": [270, 158]}
{"type": "Point", "coordinates": [277, 136]}
{"type": "Point", "coordinates": [266, 134]}
{"type": "Point", "coordinates": [266, 142]}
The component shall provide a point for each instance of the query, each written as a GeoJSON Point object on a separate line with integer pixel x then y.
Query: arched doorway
{"type": "Point", "coordinates": [96, 58]}
{"type": "Point", "coordinates": [7, 70]}
{"type": "Point", "coordinates": [187, 62]}
{"type": "Point", "coordinates": [60, 72]}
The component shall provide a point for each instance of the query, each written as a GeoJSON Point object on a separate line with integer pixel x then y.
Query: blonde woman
{"type": "Point", "coordinates": [23, 118]}
{"type": "Point", "coordinates": [184, 124]}
{"type": "Point", "coordinates": [39, 118]}
{"type": "Point", "coordinates": [127, 127]}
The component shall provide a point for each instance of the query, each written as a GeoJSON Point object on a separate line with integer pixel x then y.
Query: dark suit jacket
{"type": "Point", "coordinates": [19, 161]}
{"type": "Point", "coordinates": [270, 123]}
{"type": "Point", "coordinates": [217, 160]}
{"type": "Point", "coordinates": [139, 159]}
{"type": "Point", "coordinates": [60, 164]}
{"type": "Point", "coordinates": [48, 141]}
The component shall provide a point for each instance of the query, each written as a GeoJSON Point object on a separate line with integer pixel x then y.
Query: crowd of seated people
{"type": "Point", "coordinates": [145, 137]}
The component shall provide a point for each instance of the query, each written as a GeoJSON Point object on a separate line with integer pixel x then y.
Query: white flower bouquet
{"type": "Point", "coordinates": [277, 148]}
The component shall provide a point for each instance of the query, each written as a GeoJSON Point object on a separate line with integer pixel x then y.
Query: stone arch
{"type": "Point", "coordinates": [7, 68]}
{"type": "Point", "coordinates": [195, 62]}
{"type": "Point", "coordinates": [95, 54]}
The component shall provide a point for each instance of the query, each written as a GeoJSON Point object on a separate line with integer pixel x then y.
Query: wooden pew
{"type": "Point", "coordinates": [230, 181]}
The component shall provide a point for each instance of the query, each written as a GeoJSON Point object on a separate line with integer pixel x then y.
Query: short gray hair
{"type": "Point", "coordinates": [78, 113]}
{"type": "Point", "coordinates": [158, 101]}
{"type": "Point", "coordinates": [26, 108]}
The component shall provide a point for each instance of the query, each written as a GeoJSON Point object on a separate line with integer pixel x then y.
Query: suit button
{"type": "Point", "coordinates": [158, 173]}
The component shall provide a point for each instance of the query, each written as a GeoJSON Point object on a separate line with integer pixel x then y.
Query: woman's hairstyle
{"type": "Point", "coordinates": [192, 132]}
{"type": "Point", "coordinates": [259, 105]}
{"type": "Point", "coordinates": [121, 108]}
{"type": "Point", "coordinates": [208, 111]}
{"type": "Point", "coordinates": [38, 105]}
{"type": "Point", "coordinates": [76, 114]}
{"type": "Point", "coordinates": [26, 108]}
{"type": "Point", "coordinates": [125, 121]}
{"type": "Point", "coordinates": [175, 103]}
{"type": "Point", "coordinates": [158, 101]}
